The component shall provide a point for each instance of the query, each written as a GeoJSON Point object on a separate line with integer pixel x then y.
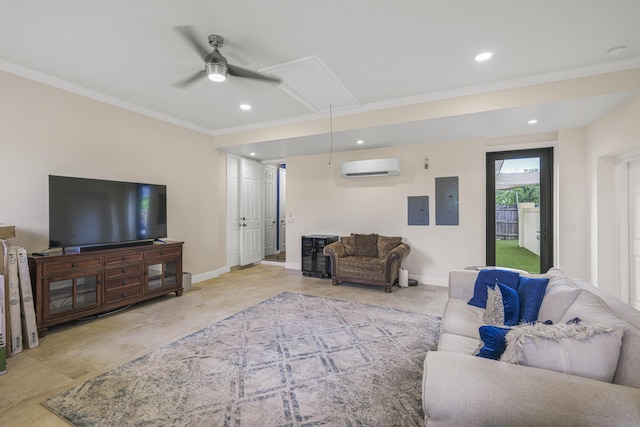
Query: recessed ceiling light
{"type": "Point", "coordinates": [614, 51]}
{"type": "Point", "coordinates": [252, 154]}
{"type": "Point", "coordinates": [360, 141]}
{"type": "Point", "coordinates": [533, 121]}
{"type": "Point", "coordinates": [245, 107]}
{"type": "Point", "coordinates": [484, 56]}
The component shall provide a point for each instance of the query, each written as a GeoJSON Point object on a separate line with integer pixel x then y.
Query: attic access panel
{"type": "Point", "coordinates": [309, 81]}
{"type": "Point", "coordinates": [447, 201]}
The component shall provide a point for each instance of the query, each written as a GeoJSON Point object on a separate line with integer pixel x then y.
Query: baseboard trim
{"type": "Point", "coordinates": [431, 280]}
{"type": "Point", "coordinates": [209, 275]}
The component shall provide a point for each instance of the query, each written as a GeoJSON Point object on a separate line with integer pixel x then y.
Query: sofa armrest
{"type": "Point", "coordinates": [461, 283]}
{"type": "Point", "coordinates": [335, 249]}
{"type": "Point", "coordinates": [463, 390]}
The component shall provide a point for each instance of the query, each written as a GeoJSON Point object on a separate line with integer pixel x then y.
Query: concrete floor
{"type": "Point", "coordinates": [72, 354]}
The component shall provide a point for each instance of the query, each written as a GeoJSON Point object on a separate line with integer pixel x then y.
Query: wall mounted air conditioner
{"type": "Point", "coordinates": [373, 167]}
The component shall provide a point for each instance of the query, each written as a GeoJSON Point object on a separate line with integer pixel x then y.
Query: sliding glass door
{"type": "Point", "coordinates": [519, 209]}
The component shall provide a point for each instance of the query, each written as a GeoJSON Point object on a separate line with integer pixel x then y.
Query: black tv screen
{"type": "Point", "coordinates": [84, 212]}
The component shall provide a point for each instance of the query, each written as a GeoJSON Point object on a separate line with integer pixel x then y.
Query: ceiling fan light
{"type": "Point", "coordinates": [216, 72]}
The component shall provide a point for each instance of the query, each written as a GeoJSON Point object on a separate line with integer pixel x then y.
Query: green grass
{"type": "Point", "coordinates": [508, 254]}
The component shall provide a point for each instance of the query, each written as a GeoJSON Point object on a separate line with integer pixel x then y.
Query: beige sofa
{"type": "Point", "coordinates": [460, 389]}
{"type": "Point", "coordinates": [367, 259]}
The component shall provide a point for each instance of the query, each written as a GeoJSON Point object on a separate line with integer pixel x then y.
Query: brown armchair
{"type": "Point", "coordinates": [368, 259]}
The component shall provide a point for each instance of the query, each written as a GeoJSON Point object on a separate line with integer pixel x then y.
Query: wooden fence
{"type": "Point", "coordinates": [506, 222]}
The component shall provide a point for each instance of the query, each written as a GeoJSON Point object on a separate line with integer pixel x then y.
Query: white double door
{"type": "Point", "coordinates": [252, 211]}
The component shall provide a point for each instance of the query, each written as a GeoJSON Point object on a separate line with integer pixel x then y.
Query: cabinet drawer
{"type": "Point", "coordinates": [161, 253]}
{"type": "Point", "coordinates": [122, 282]}
{"type": "Point", "coordinates": [70, 265]}
{"type": "Point", "coordinates": [123, 270]}
{"type": "Point", "coordinates": [123, 293]}
{"type": "Point", "coordinates": [123, 258]}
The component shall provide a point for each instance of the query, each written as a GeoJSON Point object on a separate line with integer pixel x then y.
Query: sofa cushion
{"type": "Point", "coordinates": [349, 243]}
{"type": "Point", "coordinates": [491, 277]}
{"type": "Point", "coordinates": [459, 390]}
{"type": "Point", "coordinates": [461, 318]}
{"type": "Point", "coordinates": [356, 264]}
{"type": "Point", "coordinates": [628, 371]}
{"type": "Point", "coordinates": [366, 245]}
{"type": "Point", "coordinates": [588, 350]}
{"type": "Point", "coordinates": [531, 292]}
{"type": "Point", "coordinates": [386, 245]}
{"type": "Point", "coordinates": [457, 344]}
{"type": "Point", "coordinates": [503, 306]}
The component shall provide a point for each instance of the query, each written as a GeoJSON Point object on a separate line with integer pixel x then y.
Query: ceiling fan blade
{"type": "Point", "coordinates": [192, 38]}
{"type": "Point", "coordinates": [186, 82]}
{"type": "Point", "coordinates": [242, 72]}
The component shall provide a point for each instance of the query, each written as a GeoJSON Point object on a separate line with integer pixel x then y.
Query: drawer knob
{"type": "Point", "coordinates": [124, 270]}
{"type": "Point", "coordinates": [124, 258]}
{"type": "Point", "coordinates": [75, 264]}
{"type": "Point", "coordinates": [161, 252]}
{"type": "Point", "coordinates": [124, 283]}
{"type": "Point", "coordinates": [124, 295]}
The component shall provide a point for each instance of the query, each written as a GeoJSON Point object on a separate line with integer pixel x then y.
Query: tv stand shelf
{"type": "Point", "coordinates": [68, 287]}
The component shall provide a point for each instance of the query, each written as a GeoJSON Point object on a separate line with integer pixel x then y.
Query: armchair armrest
{"type": "Point", "coordinates": [393, 262]}
{"type": "Point", "coordinates": [335, 249]}
{"type": "Point", "coordinates": [399, 252]}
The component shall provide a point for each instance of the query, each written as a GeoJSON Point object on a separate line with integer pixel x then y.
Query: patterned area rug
{"type": "Point", "coordinates": [292, 360]}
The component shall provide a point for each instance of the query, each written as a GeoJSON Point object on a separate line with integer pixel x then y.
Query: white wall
{"type": "Point", "coordinates": [612, 141]}
{"type": "Point", "coordinates": [572, 208]}
{"type": "Point", "coordinates": [45, 130]}
{"type": "Point", "coordinates": [319, 200]}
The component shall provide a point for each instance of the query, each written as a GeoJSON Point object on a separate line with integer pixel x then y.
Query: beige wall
{"type": "Point", "coordinates": [45, 130]}
{"type": "Point", "coordinates": [319, 200]}
{"type": "Point", "coordinates": [571, 217]}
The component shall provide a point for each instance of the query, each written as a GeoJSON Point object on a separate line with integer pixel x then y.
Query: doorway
{"type": "Point", "coordinates": [634, 234]}
{"type": "Point", "coordinates": [255, 212]}
{"type": "Point", "coordinates": [520, 209]}
{"type": "Point", "coordinates": [275, 202]}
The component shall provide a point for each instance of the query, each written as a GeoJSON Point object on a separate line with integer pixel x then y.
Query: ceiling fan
{"type": "Point", "coordinates": [216, 67]}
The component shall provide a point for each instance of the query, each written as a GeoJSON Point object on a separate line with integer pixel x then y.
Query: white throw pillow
{"type": "Point", "coordinates": [583, 349]}
{"type": "Point", "coordinates": [560, 294]}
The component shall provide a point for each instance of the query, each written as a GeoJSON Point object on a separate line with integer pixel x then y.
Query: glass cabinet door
{"type": "Point", "coordinates": [154, 272]}
{"type": "Point", "coordinates": [68, 294]}
{"type": "Point", "coordinates": [86, 291]}
{"type": "Point", "coordinates": [162, 275]}
{"type": "Point", "coordinates": [60, 296]}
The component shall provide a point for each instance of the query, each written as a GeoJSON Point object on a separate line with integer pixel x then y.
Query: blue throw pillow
{"type": "Point", "coordinates": [493, 340]}
{"type": "Point", "coordinates": [491, 277]}
{"type": "Point", "coordinates": [531, 291]}
{"type": "Point", "coordinates": [511, 304]}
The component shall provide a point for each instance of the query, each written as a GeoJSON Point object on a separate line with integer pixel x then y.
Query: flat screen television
{"type": "Point", "coordinates": [87, 212]}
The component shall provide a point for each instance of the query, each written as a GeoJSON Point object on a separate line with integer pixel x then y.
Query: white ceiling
{"type": "Point", "coordinates": [357, 55]}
